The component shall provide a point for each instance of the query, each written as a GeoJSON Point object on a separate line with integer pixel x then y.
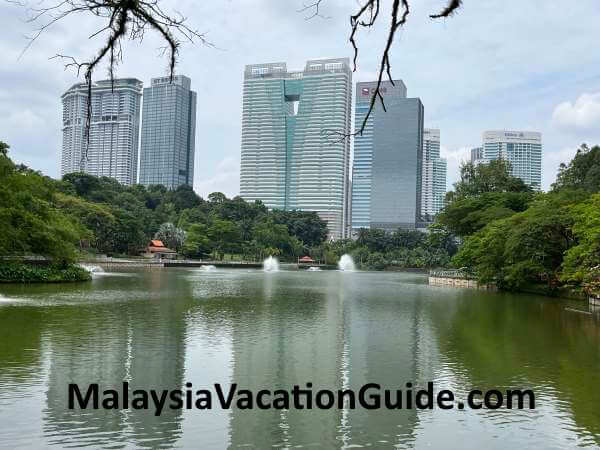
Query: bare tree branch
{"type": "Point", "coordinates": [124, 19]}
{"type": "Point", "coordinates": [450, 9]}
{"type": "Point", "coordinates": [366, 17]}
{"type": "Point", "coordinates": [315, 7]}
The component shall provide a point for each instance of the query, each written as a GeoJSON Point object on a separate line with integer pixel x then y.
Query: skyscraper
{"type": "Point", "coordinates": [434, 175]}
{"type": "Point", "coordinates": [289, 158]}
{"type": "Point", "coordinates": [114, 129]}
{"type": "Point", "coordinates": [477, 155]}
{"type": "Point", "coordinates": [523, 149]}
{"type": "Point", "coordinates": [387, 170]}
{"type": "Point", "coordinates": [168, 133]}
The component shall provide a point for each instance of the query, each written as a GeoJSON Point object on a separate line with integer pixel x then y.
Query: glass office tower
{"type": "Point", "coordinates": [522, 148]}
{"type": "Point", "coordinates": [387, 169]}
{"type": "Point", "coordinates": [114, 129]}
{"type": "Point", "coordinates": [293, 154]}
{"type": "Point", "coordinates": [434, 175]}
{"type": "Point", "coordinates": [168, 133]}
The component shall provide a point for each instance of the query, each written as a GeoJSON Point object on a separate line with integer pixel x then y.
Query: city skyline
{"type": "Point", "coordinates": [548, 94]}
{"type": "Point", "coordinates": [288, 177]}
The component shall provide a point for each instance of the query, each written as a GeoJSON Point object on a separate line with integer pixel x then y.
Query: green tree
{"type": "Point", "coordinates": [583, 172]}
{"type": "Point", "coordinates": [581, 265]}
{"type": "Point", "coordinates": [524, 248]}
{"type": "Point", "coordinates": [30, 222]}
{"type": "Point", "coordinates": [466, 215]}
{"type": "Point", "coordinates": [225, 236]}
{"type": "Point", "coordinates": [307, 226]}
{"type": "Point", "coordinates": [171, 236]}
{"type": "Point", "coordinates": [477, 179]}
{"type": "Point", "coordinates": [197, 242]}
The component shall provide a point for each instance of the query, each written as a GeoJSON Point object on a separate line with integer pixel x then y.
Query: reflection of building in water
{"type": "Point", "coordinates": [277, 353]}
{"type": "Point", "coordinates": [331, 336]}
{"type": "Point", "coordinates": [382, 337]}
{"type": "Point", "coordinates": [111, 343]}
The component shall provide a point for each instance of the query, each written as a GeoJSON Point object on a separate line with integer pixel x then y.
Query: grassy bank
{"type": "Point", "coordinates": [14, 272]}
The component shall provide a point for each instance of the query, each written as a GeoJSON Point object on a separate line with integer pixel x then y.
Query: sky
{"type": "Point", "coordinates": [512, 64]}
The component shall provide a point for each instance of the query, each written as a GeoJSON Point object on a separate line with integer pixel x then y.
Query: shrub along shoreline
{"type": "Point", "coordinates": [22, 272]}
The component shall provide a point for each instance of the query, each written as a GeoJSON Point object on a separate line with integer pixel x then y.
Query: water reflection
{"type": "Point", "coordinates": [161, 328]}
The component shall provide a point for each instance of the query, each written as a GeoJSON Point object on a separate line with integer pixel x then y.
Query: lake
{"type": "Point", "coordinates": [162, 328]}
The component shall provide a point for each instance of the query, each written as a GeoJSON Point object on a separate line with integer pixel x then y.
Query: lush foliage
{"type": "Point", "coordinates": [27, 273]}
{"type": "Point", "coordinates": [583, 172]}
{"type": "Point", "coordinates": [52, 218]}
{"type": "Point", "coordinates": [519, 239]}
{"type": "Point", "coordinates": [581, 265]}
{"type": "Point", "coordinates": [30, 221]}
{"type": "Point", "coordinates": [377, 250]}
{"type": "Point", "coordinates": [478, 179]}
{"type": "Point", "coordinates": [170, 235]}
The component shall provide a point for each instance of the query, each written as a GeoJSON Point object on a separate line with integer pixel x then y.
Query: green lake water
{"type": "Point", "coordinates": [161, 328]}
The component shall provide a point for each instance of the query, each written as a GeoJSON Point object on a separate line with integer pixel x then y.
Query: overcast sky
{"type": "Point", "coordinates": [510, 64]}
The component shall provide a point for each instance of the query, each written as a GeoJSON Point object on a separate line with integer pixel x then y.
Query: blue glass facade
{"type": "Point", "coordinates": [167, 148]}
{"type": "Point", "coordinates": [387, 168]}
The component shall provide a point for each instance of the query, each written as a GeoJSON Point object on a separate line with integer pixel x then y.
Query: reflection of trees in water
{"type": "Point", "coordinates": [20, 347]}
{"type": "Point", "coordinates": [141, 341]}
{"type": "Point", "coordinates": [511, 341]}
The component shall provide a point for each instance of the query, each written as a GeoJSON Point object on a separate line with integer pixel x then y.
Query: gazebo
{"type": "Point", "coordinates": [156, 249]}
{"type": "Point", "coordinates": [306, 260]}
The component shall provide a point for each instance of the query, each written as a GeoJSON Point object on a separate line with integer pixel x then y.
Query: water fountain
{"type": "Point", "coordinates": [346, 264]}
{"type": "Point", "coordinates": [314, 269]}
{"type": "Point", "coordinates": [91, 268]}
{"type": "Point", "coordinates": [271, 264]}
{"type": "Point", "coordinates": [208, 268]}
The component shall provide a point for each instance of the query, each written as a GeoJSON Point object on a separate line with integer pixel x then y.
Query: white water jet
{"type": "Point", "coordinates": [314, 269]}
{"type": "Point", "coordinates": [346, 264]}
{"type": "Point", "coordinates": [91, 268]}
{"type": "Point", "coordinates": [208, 268]}
{"type": "Point", "coordinates": [271, 264]}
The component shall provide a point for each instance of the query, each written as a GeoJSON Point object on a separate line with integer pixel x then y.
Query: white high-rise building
{"type": "Point", "coordinates": [289, 158]}
{"type": "Point", "coordinates": [433, 178]}
{"type": "Point", "coordinates": [523, 149]}
{"type": "Point", "coordinates": [114, 129]}
{"type": "Point", "coordinates": [477, 155]}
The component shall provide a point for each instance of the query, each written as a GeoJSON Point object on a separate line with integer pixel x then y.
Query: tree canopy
{"type": "Point", "coordinates": [517, 238]}
{"type": "Point", "coordinates": [82, 212]}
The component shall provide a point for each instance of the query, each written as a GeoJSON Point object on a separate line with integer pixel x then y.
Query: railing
{"type": "Point", "coordinates": [452, 273]}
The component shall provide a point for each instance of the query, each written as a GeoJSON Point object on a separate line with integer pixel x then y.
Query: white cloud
{"type": "Point", "coordinates": [25, 120]}
{"type": "Point", "coordinates": [226, 179]}
{"type": "Point", "coordinates": [583, 114]}
{"type": "Point", "coordinates": [455, 158]}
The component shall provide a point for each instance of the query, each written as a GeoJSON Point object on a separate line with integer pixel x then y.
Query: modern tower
{"type": "Point", "coordinates": [523, 149]}
{"type": "Point", "coordinates": [168, 133]}
{"type": "Point", "coordinates": [433, 177]}
{"type": "Point", "coordinates": [295, 145]}
{"type": "Point", "coordinates": [387, 170]}
{"type": "Point", "coordinates": [113, 133]}
{"type": "Point", "coordinates": [477, 155]}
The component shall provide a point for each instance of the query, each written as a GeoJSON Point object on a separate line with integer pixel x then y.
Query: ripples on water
{"type": "Point", "coordinates": [160, 328]}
